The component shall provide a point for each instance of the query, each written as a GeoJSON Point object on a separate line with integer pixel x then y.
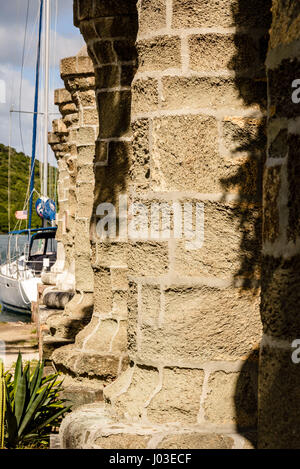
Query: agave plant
{"type": "Point", "coordinates": [33, 406]}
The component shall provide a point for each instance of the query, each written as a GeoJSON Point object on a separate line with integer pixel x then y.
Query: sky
{"type": "Point", "coordinates": [65, 41]}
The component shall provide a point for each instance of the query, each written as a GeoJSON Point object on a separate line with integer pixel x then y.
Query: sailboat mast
{"type": "Point", "coordinates": [46, 96]}
{"type": "Point", "coordinates": [35, 116]}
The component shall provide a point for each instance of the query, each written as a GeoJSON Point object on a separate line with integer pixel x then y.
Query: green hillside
{"type": "Point", "coordinates": [20, 168]}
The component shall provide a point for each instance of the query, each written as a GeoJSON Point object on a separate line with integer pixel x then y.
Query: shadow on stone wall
{"type": "Point", "coordinates": [248, 144]}
{"type": "Point", "coordinates": [113, 157]}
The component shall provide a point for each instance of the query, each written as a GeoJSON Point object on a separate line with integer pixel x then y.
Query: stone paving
{"type": "Point", "coordinates": [17, 337]}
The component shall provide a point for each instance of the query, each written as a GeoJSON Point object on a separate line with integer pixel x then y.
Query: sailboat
{"type": "Point", "coordinates": [21, 272]}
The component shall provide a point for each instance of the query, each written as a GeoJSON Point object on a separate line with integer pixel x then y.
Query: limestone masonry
{"type": "Point", "coordinates": [179, 102]}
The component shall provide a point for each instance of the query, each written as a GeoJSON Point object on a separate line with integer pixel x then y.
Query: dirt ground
{"type": "Point", "coordinates": [17, 337]}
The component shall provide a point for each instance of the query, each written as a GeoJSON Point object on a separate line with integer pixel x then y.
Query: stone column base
{"type": "Point", "coordinates": [95, 426]}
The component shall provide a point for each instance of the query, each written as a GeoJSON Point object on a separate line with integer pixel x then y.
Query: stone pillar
{"type": "Point", "coordinates": [100, 350]}
{"type": "Point", "coordinates": [78, 75]}
{"type": "Point", "coordinates": [279, 380]}
{"type": "Point", "coordinates": [62, 274]}
{"type": "Point", "coordinates": [80, 124]}
{"type": "Point", "coordinates": [198, 120]}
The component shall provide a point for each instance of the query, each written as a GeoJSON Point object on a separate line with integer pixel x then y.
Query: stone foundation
{"type": "Point", "coordinates": [279, 408]}
{"type": "Point", "coordinates": [184, 125]}
{"type": "Point", "coordinates": [188, 341]}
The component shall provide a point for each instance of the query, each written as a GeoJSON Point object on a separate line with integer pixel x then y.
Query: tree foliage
{"type": "Point", "coordinates": [20, 173]}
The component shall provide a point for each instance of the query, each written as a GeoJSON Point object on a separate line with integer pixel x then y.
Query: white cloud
{"type": "Point", "coordinates": [12, 81]}
{"type": "Point", "coordinates": [68, 43]}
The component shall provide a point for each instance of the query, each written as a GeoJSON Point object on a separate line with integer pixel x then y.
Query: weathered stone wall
{"type": "Point", "coordinates": [64, 150]}
{"type": "Point", "coordinates": [279, 383]}
{"type": "Point", "coordinates": [197, 111]}
{"type": "Point", "coordinates": [100, 350]}
{"type": "Point", "coordinates": [72, 136]}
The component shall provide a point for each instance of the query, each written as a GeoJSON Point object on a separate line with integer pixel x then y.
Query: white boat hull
{"type": "Point", "coordinates": [16, 294]}
{"type": "Point", "coordinates": [21, 275]}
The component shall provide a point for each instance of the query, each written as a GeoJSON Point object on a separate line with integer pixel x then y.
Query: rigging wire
{"type": "Point", "coordinates": [22, 70]}
{"type": "Point", "coordinates": [30, 47]}
{"type": "Point", "coordinates": [31, 171]}
{"type": "Point", "coordinates": [8, 183]}
{"type": "Point", "coordinates": [52, 187]}
{"type": "Point", "coordinates": [54, 74]}
{"type": "Point", "coordinates": [20, 96]}
{"type": "Point", "coordinates": [12, 88]}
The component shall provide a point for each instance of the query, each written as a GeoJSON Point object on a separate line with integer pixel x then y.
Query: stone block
{"type": "Point", "coordinates": [127, 74]}
{"type": "Point", "coordinates": [82, 10]}
{"type": "Point", "coordinates": [285, 25]}
{"type": "Point", "coordinates": [107, 76]}
{"type": "Point", "coordinates": [68, 66]}
{"type": "Point", "coordinates": [103, 291]}
{"type": "Point", "coordinates": [280, 88]}
{"type": "Point", "coordinates": [120, 309]}
{"type": "Point", "coordinates": [119, 341]}
{"type": "Point", "coordinates": [125, 50]}
{"type": "Point", "coordinates": [202, 324]}
{"type": "Point", "coordinates": [279, 399]}
{"type": "Point", "coordinates": [119, 386]}
{"type": "Point", "coordinates": [84, 65]}
{"type": "Point", "coordinates": [280, 297]}
{"type": "Point", "coordinates": [232, 398]}
{"type": "Point", "coordinates": [278, 146]}
{"type": "Point", "coordinates": [119, 278]}
{"type": "Point", "coordinates": [84, 273]}
{"type": "Point", "coordinates": [228, 13]}
{"type": "Point", "coordinates": [114, 8]}
{"type": "Point", "coordinates": [111, 254]}
{"type": "Point", "coordinates": [86, 98]}
{"type": "Point", "coordinates": [187, 145]}
{"type": "Point", "coordinates": [87, 332]}
{"type": "Point", "coordinates": [211, 52]}
{"type": "Point", "coordinates": [104, 52]}
{"type": "Point", "coordinates": [152, 16]}
{"type": "Point", "coordinates": [145, 95]}
{"type": "Point", "coordinates": [182, 147]}
{"type": "Point", "coordinates": [244, 136]}
{"type": "Point", "coordinates": [84, 192]}
{"type": "Point", "coordinates": [140, 167]}
{"type": "Point", "coordinates": [86, 154]}
{"type": "Point", "coordinates": [117, 26]}
{"type": "Point", "coordinates": [272, 185]}
{"type": "Point", "coordinates": [85, 136]}
{"type": "Point", "coordinates": [78, 395]}
{"type": "Point", "coordinates": [143, 384]}
{"type": "Point", "coordinates": [150, 305]}
{"type": "Point", "coordinates": [111, 180]}
{"type": "Point", "coordinates": [67, 108]}
{"type": "Point", "coordinates": [85, 173]}
{"type": "Point", "coordinates": [90, 117]}
{"type": "Point", "coordinates": [62, 96]}
{"type": "Point", "coordinates": [122, 441]}
{"type": "Point", "coordinates": [101, 152]}
{"type": "Point", "coordinates": [196, 441]}
{"type": "Point", "coordinates": [232, 242]}
{"type": "Point", "coordinates": [57, 299]}
{"type": "Point", "coordinates": [159, 53]}
{"type": "Point", "coordinates": [179, 399]}
{"type": "Point", "coordinates": [213, 92]}
{"type": "Point", "coordinates": [101, 339]}
{"type": "Point", "coordinates": [114, 113]}
{"type": "Point", "coordinates": [104, 367]}
{"type": "Point", "coordinates": [148, 259]}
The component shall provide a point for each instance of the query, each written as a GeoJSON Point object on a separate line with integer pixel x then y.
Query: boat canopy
{"type": "Point", "coordinates": [35, 230]}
